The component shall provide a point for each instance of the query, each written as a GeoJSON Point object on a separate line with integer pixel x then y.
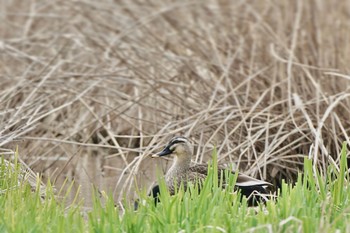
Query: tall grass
{"type": "Point", "coordinates": [316, 203]}
{"type": "Point", "coordinates": [26, 210]}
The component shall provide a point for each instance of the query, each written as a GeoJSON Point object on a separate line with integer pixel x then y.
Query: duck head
{"type": "Point", "coordinates": [178, 146]}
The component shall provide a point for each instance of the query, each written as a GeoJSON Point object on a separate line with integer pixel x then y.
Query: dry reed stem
{"type": "Point", "coordinates": [91, 89]}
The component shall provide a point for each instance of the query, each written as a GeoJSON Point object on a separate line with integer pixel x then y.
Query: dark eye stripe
{"type": "Point", "coordinates": [177, 140]}
{"type": "Point", "coordinates": [171, 145]}
{"type": "Point", "coordinates": [174, 141]}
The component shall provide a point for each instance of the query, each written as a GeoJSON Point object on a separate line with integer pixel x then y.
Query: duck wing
{"type": "Point", "coordinates": [252, 188]}
{"type": "Point", "coordinates": [245, 181]}
{"type": "Point", "coordinates": [242, 179]}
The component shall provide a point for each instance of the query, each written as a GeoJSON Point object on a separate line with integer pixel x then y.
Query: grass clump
{"type": "Point", "coordinates": [315, 203]}
{"type": "Point", "coordinates": [23, 209]}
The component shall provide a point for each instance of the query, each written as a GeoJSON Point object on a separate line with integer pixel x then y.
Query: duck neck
{"type": "Point", "coordinates": [180, 166]}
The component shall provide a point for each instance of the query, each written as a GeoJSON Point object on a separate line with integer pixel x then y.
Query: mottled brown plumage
{"type": "Point", "coordinates": [183, 172]}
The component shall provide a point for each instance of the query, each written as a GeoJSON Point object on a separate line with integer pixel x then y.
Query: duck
{"type": "Point", "coordinates": [182, 171]}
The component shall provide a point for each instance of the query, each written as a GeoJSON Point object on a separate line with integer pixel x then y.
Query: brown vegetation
{"type": "Point", "coordinates": [89, 89]}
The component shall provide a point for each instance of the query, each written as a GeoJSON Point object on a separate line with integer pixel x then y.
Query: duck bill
{"type": "Point", "coordinates": [164, 152]}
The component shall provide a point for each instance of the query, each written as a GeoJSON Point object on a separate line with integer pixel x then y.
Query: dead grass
{"type": "Point", "coordinates": [90, 89]}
